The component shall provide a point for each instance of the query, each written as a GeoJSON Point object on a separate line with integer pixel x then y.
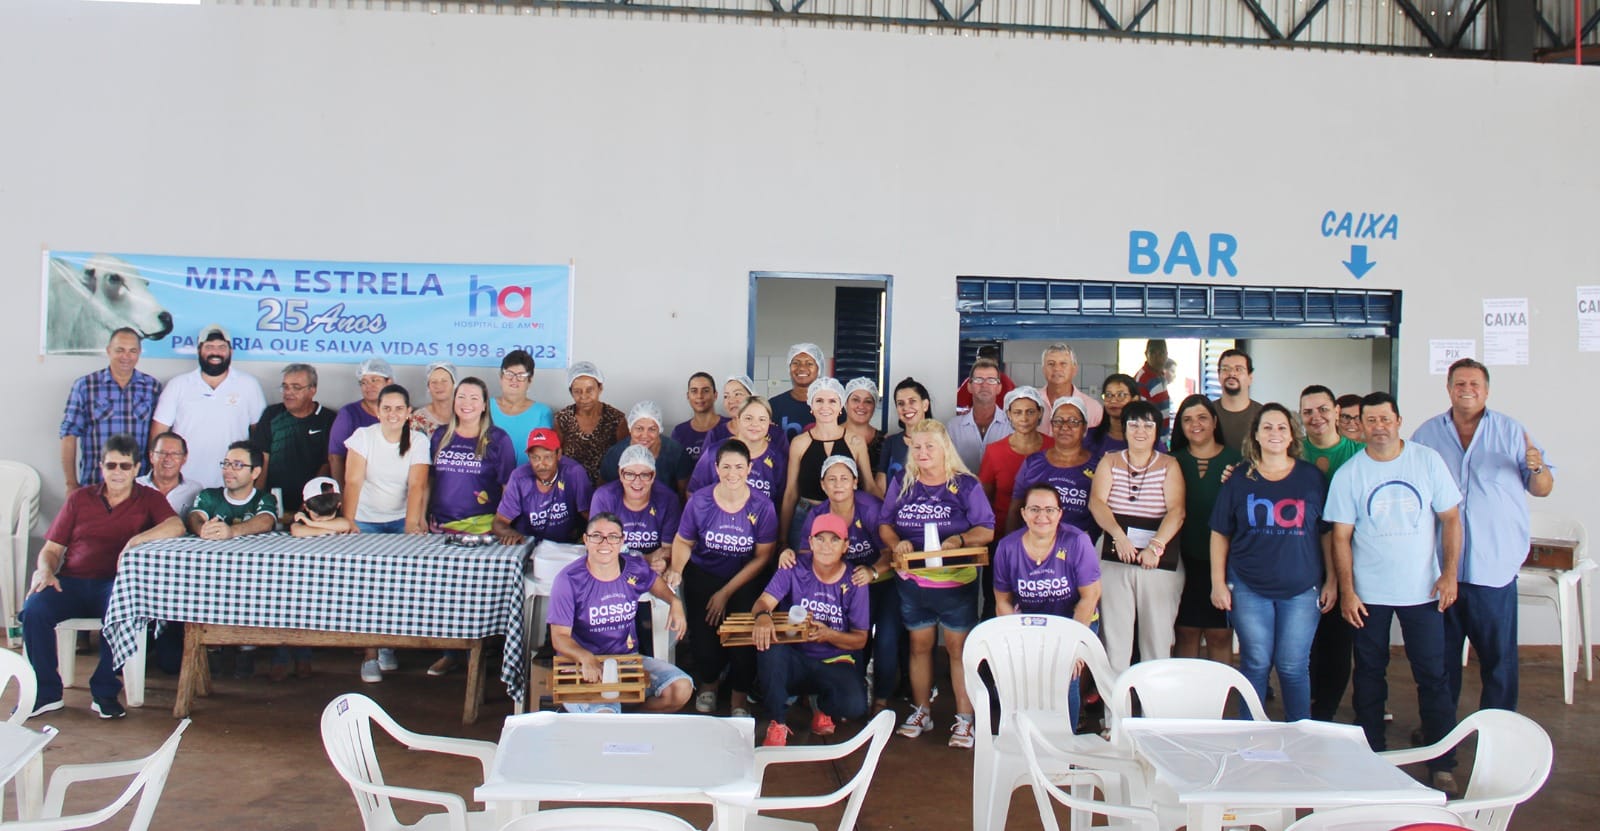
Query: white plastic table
{"type": "Point", "coordinates": [633, 757]}
{"type": "Point", "coordinates": [22, 752]}
{"type": "Point", "coordinates": [1222, 765]}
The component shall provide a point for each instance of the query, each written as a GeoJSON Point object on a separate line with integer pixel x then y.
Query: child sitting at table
{"type": "Point", "coordinates": [319, 511]}
{"type": "Point", "coordinates": [592, 609]}
{"type": "Point", "coordinates": [825, 663]}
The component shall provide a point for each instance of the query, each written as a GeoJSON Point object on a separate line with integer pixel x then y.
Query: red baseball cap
{"type": "Point", "coordinates": [544, 437]}
{"type": "Point", "coordinates": [830, 522]}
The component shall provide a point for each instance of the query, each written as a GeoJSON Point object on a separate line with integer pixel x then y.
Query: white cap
{"type": "Point", "coordinates": [319, 486]}
{"type": "Point", "coordinates": [645, 409]}
{"type": "Point", "coordinates": [862, 383]}
{"type": "Point", "coordinates": [1073, 400]}
{"type": "Point", "coordinates": [378, 366]}
{"type": "Point", "coordinates": [444, 365]}
{"type": "Point", "coordinates": [583, 369]}
{"type": "Point", "coordinates": [823, 385]}
{"type": "Point", "coordinates": [840, 460]}
{"type": "Point", "coordinates": [636, 455]}
{"type": "Point", "coordinates": [811, 349]}
{"type": "Point", "coordinates": [1031, 393]}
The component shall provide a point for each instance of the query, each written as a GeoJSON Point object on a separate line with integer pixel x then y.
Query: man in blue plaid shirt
{"type": "Point", "coordinates": [117, 399]}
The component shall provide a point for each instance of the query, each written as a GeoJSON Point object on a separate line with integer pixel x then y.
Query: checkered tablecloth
{"type": "Point", "coordinates": [387, 584]}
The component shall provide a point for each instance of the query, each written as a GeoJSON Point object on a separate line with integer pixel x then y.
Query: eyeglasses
{"type": "Point", "coordinates": [295, 387]}
{"type": "Point", "coordinates": [638, 476]}
{"type": "Point", "coordinates": [118, 465]}
{"type": "Point", "coordinates": [986, 381]}
{"type": "Point", "coordinates": [1349, 419]}
{"type": "Point", "coordinates": [1058, 423]}
{"type": "Point", "coordinates": [1141, 425]}
{"type": "Point", "coordinates": [1117, 396]}
{"type": "Point", "coordinates": [612, 539]}
{"type": "Point", "coordinates": [228, 465]}
{"type": "Point", "coordinates": [508, 375]}
{"type": "Point", "coordinates": [171, 454]}
{"type": "Point", "coordinates": [1041, 510]}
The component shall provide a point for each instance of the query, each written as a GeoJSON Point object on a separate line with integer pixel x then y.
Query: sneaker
{"type": "Point", "coordinates": [961, 733]}
{"type": "Point", "coordinates": [1442, 780]}
{"type": "Point", "coordinates": [706, 701]}
{"type": "Point", "coordinates": [916, 724]}
{"type": "Point", "coordinates": [777, 734]}
{"type": "Point", "coordinates": [387, 661]}
{"type": "Point", "coordinates": [47, 707]}
{"type": "Point", "coordinates": [444, 666]}
{"type": "Point", "coordinates": [739, 712]}
{"type": "Point", "coordinates": [821, 724]}
{"type": "Point", "coordinates": [108, 707]}
{"type": "Point", "coordinates": [370, 672]}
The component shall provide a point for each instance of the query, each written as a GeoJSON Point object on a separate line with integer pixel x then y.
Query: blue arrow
{"type": "Point", "coordinates": [1358, 263]}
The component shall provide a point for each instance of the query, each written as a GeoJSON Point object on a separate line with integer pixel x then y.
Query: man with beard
{"type": "Point", "coordinates": [1235, 411]}
{"type": "Point", "coordinates": [211, 407]}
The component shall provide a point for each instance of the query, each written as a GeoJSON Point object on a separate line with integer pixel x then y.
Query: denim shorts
{"type": "Point", "coordinates": [662, 675]}
{"type": "Point", "coordinates": [393, 526]}
{"type": "Point", "coordinates": [954, 608]}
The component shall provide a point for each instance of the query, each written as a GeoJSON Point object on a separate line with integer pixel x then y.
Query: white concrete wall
{"type": "Point", "coordinates": [1286, 366]}
{"type": "Point", "coordinates": [668, 160]}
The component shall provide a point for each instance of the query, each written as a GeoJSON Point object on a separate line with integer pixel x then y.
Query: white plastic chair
{"type": "Point", "coordinates": [873, 736]}
{"type": "Point", "coordinates": [1567, 591]}
{"type": "Point", "coordinates": [1030, 738]}
{"type": "Point", "coordinates": [67, 653]}
{"type": "Point", "coordinates": [598, 819]}
{"type": "Point", "coordinates": [1374, 818]}
{"type": "Point", "coordinates": [149, 778]}
{"type": "Point", "coordinates": [1031, 658]}
{"type": "Point", "coordinates": [1510, 765]}
{"type": "Point", "coordinates": [1185, 688]}
{"type": "Point", "coordinates": [347, 736]}
{"type": "Point", "coordinates": [19, 511]}
{"type": "Point", "coordinates": [15, 667]}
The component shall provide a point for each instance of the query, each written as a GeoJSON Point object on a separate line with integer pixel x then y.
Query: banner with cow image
{"type": "Point", "coordinates": [309, 310]}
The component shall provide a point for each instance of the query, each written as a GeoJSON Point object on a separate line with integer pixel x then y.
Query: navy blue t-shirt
{"type": "Point", "coordinates": [1274, 529]}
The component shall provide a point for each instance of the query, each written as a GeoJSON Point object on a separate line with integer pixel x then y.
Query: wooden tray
{"type": "Point", "coordinates": [736, 629]}
{"type": "Point", "coordinates": [1547, 552]}
{"type": "Point", "coordinates": [567, 684]}
{"type": "Point", "coordinates": [977, 555]}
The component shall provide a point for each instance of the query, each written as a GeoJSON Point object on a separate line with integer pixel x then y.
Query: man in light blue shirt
{"type": "Point", "coordinates": [1386, 504]}
{"type": "Point", "coordinates": [985, 422]}
{"type": "Point", "coordinates": [1495, 463]}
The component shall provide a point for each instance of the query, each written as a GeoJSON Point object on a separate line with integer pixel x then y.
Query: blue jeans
{"type": "Point", "coordinates": [79, 597]}
{"type": "Point", "coordinates": [1422, 627]}
{"type": "Point", "coordinates": [393, 526]}
{"type": "Point", "coordinates": [784, 670]}
{"type": "Point", "coordinates": [1486, 616]}
{"type": "Point", "coordinates": [1074, 699]}
{"type": "Point", "coordinates": [888, 641]}
{"type": "Point", "coordinates": [1277, 633]}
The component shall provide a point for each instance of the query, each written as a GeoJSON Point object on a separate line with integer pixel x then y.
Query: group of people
{"type": "Point", "coordinates": [1303, 531]}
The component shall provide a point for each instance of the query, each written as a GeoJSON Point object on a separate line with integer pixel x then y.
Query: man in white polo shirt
{"type": "Point", "coordinates": [211, 407]}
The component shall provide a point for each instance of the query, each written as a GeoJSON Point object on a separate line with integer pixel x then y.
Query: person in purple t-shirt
{"type": "Point", "coordinates": [548, 498]}
{"type": "Point", "coordinates": [724, 542]}
{"type": "Point", "coordinates": [702, 396]}
{"type": "Point", "coordinates": [837, 608]}
{"type": "Point", "coordinates": [769, 464]}
{"type": "Point", "coordinates": [1048, 568]}
{"type": "Point", "coordinates": [650, 511]}
{"type": "Point", "coordinates": [735, 392]}
{"type": "Point", "coordinates": [375, 374]}
{"type": "Point", "coordinates": [472, 460]}
{"type": "Point", "coordinates": [937, 492]}
{"type": "Point", "coordinates": [592, 609]}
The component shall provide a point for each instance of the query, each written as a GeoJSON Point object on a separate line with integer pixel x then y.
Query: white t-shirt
{"type": "Point", "coordinates": [181, 497]}
{"type": "Point", "coordinates": [210, 419]}
{"type": "Point", "coordinates": [383, 492]}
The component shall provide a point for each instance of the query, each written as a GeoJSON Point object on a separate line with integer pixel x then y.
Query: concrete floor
{"type": "Point", "coordinates": [253, 759]}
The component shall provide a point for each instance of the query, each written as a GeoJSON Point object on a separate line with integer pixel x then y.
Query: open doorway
{"type": "Point", "coordinates": [844, 314]}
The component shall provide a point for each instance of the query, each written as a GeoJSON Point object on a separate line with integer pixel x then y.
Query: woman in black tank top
{"type": "Point", "coordinates": [824, 438]}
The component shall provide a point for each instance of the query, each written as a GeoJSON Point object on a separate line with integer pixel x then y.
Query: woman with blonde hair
{"type": "Point", "coordinates": [939, 498]}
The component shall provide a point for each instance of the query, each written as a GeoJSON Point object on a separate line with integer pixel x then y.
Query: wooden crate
{"type": "Point", "coordinates": [567, 684]}
{"type": "Point", "coordinates": [1548, 552]}
{"type": "Point", "coordinates": [736, 629]}
{"type": "Point", "coordinates": [977, 555]}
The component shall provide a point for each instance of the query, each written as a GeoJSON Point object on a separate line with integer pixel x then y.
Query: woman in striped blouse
{"type": "Point", "coordinates": [1137, 499]}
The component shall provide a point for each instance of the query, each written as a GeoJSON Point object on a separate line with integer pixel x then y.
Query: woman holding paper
{"type": "Point", "coordinates": [937, 504]}
{"type": "Point", "coordinates": [1138, 500]}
